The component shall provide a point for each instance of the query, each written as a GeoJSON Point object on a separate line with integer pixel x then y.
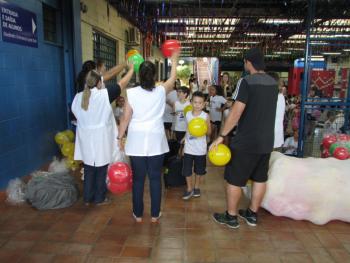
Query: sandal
{"type": "Point", "coordinates": [156, 219]}
{"type": "Point", "coordinates": [137, 219]}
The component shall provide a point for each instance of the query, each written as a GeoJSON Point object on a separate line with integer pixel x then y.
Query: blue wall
{"type": "Point", "coordinates": [33, 86]}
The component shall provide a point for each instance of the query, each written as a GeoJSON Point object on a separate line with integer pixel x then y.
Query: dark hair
{"type": "Point", "coordinates": [198, 94]}
{"type": "Point", "coordinates": [147, 74]}
{"type": "Point", "coordinates": [100, 63]}
{"type": "Point", "coordinates": [185, 90]}
{"type": "Point", "coordinates": [274, 75]}
{"type": "Point", "coordinates": [219, 90]}
{"type": "Point", "coordinates": [87, 67]}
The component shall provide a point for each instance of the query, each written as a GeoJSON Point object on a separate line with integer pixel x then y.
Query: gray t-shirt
{"type": "Point", "coordinates": [255, 130]}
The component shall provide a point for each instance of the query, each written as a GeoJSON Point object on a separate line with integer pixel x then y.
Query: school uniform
{"type": "Point", "coordinates": [180, 121]}
{"type": "Point", "coordinates": [146, 144]}
{"type": "Point", "coordinates": [280, 111]}
{"type": "Point", "coordinates": [96, 139]}
{"type": "Point", "coordinates": [216, 102]}
{"type": "Point", "coordinates": [195, 150]}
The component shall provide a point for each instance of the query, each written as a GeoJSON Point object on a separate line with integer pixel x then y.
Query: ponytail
{"type": "Point", "coordinates": [92, 79]}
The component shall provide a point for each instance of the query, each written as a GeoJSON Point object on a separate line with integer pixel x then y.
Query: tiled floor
{"type": "Point", "coordinates": [186, 233]}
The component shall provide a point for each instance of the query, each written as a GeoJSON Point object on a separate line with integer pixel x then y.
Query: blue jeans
{"type": "Point", "coordinates": [95, 187]}
{"type": "Point", "coordinates": [151, 165]}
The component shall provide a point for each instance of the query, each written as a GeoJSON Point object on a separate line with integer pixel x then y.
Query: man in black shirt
{"type": "Point", "coordinates": [254, 113]}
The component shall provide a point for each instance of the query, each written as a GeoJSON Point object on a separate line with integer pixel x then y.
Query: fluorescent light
{"type": "Point", "coordinates": [294, 41]}
{"type": "Point", "coordinates": [296, 49]}
{"type": "Point", "coordinates": [272, 56]}
{"type": "Point", "coordinates": [199, 21]}
{"type": "Point", "coordinates": [283, 52]}
{"type": "Point", "coordinates": [247, 42]}
{"type": "Point", "coordinates": [331, 53]}
{"type": "Point", "coordinates": [280, 21]}
{"type": "Point", "coordinates": [188, 47]}
{"type": "Point", "coordinates": [261, 34]}
{"type": "Point", "coordinates": [346, 50]}
{"type": "Point", "coordinates": [239, 48]}
{"type": "Point", "coordinates": [175, 33]}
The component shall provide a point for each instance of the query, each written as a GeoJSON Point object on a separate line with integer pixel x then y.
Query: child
{"type": "Point", "coordinates": [290, 145]}
{"type": "Point", "coordinates": [96, 137]}
{"type": "Point", "coordinates": [205, 89]}
{"type": "Point", "coordinates": [195, 149]}
{"type": "Point", "coordinates": [118, 110]}
{"type": "Point", "coordinates": [179, 106]}
{"type": "Point", "coordinates": [215, 110]}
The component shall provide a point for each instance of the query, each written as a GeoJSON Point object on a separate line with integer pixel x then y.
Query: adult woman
{"type": "Point", "coordinates": [146, 143]}
{"type": "Point", "coordinates": [96, 133]}
{"type": "Point", "coordinates": [225, 84]}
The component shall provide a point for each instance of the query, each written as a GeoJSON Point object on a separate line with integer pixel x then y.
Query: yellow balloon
{"type": "Point", "coordinates": [69, 134]}
{"type": "Point", "coordinates": [61, 138]}
{"type": "Point", "coordinates": [187, 109]}
{"type": "Point", "coordinates": [131, 52]}
{"type": "Point", "coordinates": [68, 149]}
{"type": "Point", "coordinates": [72, 164]}
{"type": "Point", "coordinates": [197, 127]}
{"type": "Point", "coordinates": [221, 156]}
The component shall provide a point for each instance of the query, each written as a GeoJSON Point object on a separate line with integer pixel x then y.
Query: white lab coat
{"type": "Point", "coordinates": [96, 137]}
{"type": "Point", "coordinates": [146, 134]}
{"type": "Point", "coordinates": [280, 110]}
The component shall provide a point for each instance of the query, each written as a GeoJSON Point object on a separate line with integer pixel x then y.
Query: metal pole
{"type": "Point", "coordinates": [305, 84]}
{"type": "Point", "coordinates": [347, 113]}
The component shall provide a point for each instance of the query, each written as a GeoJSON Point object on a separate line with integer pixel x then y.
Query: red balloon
{"type": "Point", "coordinates": [119, 189]}
{"type": "Point", "coordinates": [325, 153]}
{"type": "Point", "coordinates": [169, 46]}
{"type": "Point", "coordinates": [341, 153]}
{"type": "Point", "coordinates": [328, 140]}
{"type": "Point", "coordinates": [119, 173]}
{"type": "Point", "coordinates": [343, 137]}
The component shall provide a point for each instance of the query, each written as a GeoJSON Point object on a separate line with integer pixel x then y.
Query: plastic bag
{"type": "Point", "coordinates": [57, 166]}
{"type": "Point", "coordinates": [119, 156]}
{"type": "Point", "coordinates": [16, 191]}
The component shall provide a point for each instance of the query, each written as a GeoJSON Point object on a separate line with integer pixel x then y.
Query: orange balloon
{"type": "Point", "coordinates": [131, 52]}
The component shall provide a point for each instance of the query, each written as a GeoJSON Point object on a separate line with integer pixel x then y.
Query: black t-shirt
{"type": "Point", "coordinates": [256, 127]}
{"type": "Point", "coordinates": [113, 92]}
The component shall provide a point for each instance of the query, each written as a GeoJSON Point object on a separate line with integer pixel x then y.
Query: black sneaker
{"type": "Point", "coordinates": [249, 216]}
{"type": "Point", "coordinates": [196, 192]}
{"type": "Point", "coordinates": [226, 219]}
{"type": "Point", "coordinates": [187, 195]}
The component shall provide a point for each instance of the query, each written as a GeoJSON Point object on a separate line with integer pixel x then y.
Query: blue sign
{"type": "Point", "coordinates": [18, 25]}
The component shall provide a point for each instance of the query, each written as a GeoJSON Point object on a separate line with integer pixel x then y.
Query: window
{"type": "Point", "coordinates": [50, 24]}
{"type": "Point", "coordinates": [105, 49]}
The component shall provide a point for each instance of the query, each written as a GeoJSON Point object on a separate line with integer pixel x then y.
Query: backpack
{"type": "Point", "coordinates": [173, 173]}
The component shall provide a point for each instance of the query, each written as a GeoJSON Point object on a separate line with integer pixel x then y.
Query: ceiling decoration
{"type": "Point", "coordinates": [226, 28]}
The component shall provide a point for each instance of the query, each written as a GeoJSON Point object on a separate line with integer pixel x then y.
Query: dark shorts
{"type": "Point", "coordinates": [167, 125]}
{"type": "Point", "coordinates": [244, 166]}
{"type": "Point", "coordinates": [217, 124]}
{"type": "Point", "coordinates": [198, 162]}
{"type": "Point", "coordinates": [179, 135]}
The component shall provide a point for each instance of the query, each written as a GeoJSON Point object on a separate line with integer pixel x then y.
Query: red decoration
{"type": "Point", "coordinates": [325, 153]}
{"type": "Point", "coordinates": [328, 140]}
{"type": "Point", "coordinates": [169, 46]}
{"type": "Point", "coordinates": [119, 173]}
{"type": "Point", "coordinates": [341, 153]}
{"type": "Point", "coordinates": [343, 137]}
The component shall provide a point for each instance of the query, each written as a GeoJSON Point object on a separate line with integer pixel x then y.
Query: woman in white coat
{"type": "Point", "coordinates": [97, 133]}
{"type": "Point", "coordinates": [280, 112]}
{"type": "Point", "coordinates": [146, 142]}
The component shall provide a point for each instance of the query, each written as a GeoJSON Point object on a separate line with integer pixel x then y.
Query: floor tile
{"type": "Point", "coordinates": [106, 249]}
{"type": "Point", "coordinates": [137, 252]}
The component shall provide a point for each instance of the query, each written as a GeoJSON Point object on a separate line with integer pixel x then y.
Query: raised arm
{"type": "Point", "coordinates": [169, 84]}
{"type": "Point", "coordinates": [125, 80]}
{"type": "Point", "coordinates": [113, 71]}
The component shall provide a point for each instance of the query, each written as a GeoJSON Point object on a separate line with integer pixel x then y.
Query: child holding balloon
{"type": "Point", "coordinates": [195, 149]}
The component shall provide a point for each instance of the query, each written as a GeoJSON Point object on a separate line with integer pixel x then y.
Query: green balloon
{"type": "Point", "coordinates": [137, 60]}
{"type": "Point", "coordinates": [333, 147]}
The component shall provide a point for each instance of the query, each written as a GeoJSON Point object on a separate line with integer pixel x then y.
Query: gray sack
{"type": "Point", "coordinates": [52, 191]}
